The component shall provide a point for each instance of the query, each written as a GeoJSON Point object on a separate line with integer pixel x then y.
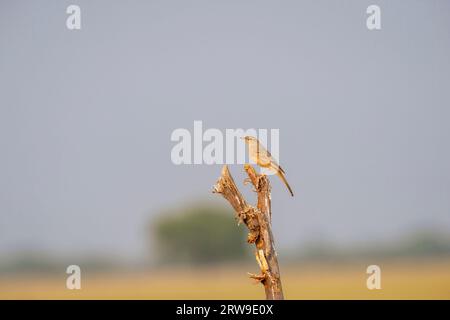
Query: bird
{"type": "Point", "coordinates": [264, 159]}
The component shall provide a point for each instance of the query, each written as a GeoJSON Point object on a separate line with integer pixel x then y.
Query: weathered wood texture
{"type": "Point", "coordinates": [258, 221]}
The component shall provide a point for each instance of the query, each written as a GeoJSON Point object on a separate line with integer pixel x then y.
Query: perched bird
{"type": "Point", "coordinates": [264, 159]}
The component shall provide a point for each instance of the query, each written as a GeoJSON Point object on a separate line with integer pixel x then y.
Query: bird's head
{"type": "Point", "coordinates": [248, 139]}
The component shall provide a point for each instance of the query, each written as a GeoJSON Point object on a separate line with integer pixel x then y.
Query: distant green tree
{"type": "Point", "coordinates": [199, 234]}
{"type": "Point", "coordinates": [426, 243]}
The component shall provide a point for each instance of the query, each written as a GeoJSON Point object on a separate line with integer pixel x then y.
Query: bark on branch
{"type": "Point", "coordinates": [258, 221]}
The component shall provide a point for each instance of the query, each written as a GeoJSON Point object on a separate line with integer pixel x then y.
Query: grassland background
{"type": "Point", "coordinates": [407, 279]}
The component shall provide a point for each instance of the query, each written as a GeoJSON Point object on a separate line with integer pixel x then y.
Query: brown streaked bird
{"type": "Point", "coordinates": [264, 159]}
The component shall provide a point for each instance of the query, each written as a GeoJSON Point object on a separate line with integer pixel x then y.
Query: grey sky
{"type": "Point", "coordinates": [86, 116]}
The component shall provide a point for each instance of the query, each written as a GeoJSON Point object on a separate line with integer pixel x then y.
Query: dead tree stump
{"type": "Point", "coordinates": [258, 221]}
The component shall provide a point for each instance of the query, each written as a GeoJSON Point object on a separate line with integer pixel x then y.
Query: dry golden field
{"type": "Point", "coordinates": [400, 280]}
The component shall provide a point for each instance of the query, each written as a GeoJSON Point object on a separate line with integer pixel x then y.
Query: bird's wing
{"type": "Point", "coordinates": [274, 164]}
{"type": "Point", "coordinates": [264, 157]}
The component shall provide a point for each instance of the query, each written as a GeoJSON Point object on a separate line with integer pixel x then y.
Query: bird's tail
{"type": "Point", "coordinates": [280, 173]}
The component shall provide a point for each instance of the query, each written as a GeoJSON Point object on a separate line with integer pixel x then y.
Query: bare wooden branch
{"type": "Point", "coordinates": [244, 212]}
{"type": "Point", "coordinates": [258, 221]}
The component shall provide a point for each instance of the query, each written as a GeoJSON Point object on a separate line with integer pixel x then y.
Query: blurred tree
{"type": "Point", "coordinates": [426, 242]}
{"type": "Point", "coordinates": [199, 234]}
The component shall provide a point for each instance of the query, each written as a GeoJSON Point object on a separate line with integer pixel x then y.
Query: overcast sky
{"type": "Point", "coordinates": [86, 116]}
